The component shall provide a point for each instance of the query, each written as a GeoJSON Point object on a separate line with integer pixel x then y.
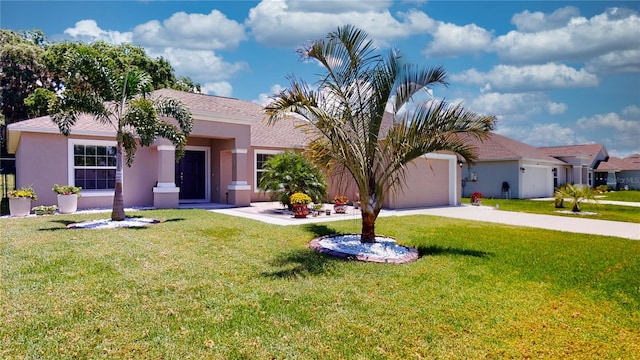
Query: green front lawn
{"type": "Point", "coordinates": [631, 195]}
{"type": "Point", "coordinates": [205, 285]}
{"type": "Point", "coordinates": [602, 211]}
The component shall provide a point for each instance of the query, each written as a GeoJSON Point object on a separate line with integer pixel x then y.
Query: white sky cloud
{"type": "Point", "coordinates": [285, 24]}
{"type": "Point", "coordinates": [552, 134]}
{"type": "Point", "coordinates": [221, 88]}
{"type": "Point", "coordinates": [508, 78]}
{"type": "Point", "coordinates": [213, 31]}
{"type": "Point", "coordinates": [452, 40]}
{"type": "Point", "coordinates": [89, 31]}
{"type": "Point", "coordinates": [515, 107]}
{"type": "Point", "coordinates": [581, 39]}
{"type": "Point", "coordinates": [264, 99]}
{"type": "Point", "coordinates": [538, 21]}
{"type": "Point", "coordinates": [626, 122]}
{"type": "Point", "coordinates": [201, 65]}
{"type": "Point", "coordinates": [627, 61]}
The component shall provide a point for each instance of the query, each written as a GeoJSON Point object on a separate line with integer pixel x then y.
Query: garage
{"type": "Point", "coordinates": [431, 181]}
{"type": "Point", "coordinates": [536, 182]}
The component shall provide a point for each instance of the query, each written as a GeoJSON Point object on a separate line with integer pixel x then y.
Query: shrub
{"type": "Point", "coordinates": [290, 172]}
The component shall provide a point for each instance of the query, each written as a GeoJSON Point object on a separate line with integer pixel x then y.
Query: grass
{"type": "Point", "coordinates": [602, 211]}
{"type": "Point", "coordinates": [205, 285]}
{"type": "Point", "coordinates": [631, 195]}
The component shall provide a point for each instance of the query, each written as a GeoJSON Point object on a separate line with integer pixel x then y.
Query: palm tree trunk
{"type": "Point", "coordinates": [368, 234]}
{"type": "Point", "coordinates": [576, 206]}
{"type": "Point", "coordinates": [117, 211]}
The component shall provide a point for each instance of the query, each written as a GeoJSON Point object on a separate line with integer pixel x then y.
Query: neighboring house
{"type": "Point", "coordinates": [226, 149]}
{"type": "Point", "coordinates": [506, 168]}
{"type": "Point", "coordinates": [583, 160]}
{"type": "Point", "coordinates": [619, 173]}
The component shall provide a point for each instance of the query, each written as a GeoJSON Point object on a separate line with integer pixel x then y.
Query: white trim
{"type": "Point", "coordinates": [239, 151]}
{"type": "Point", "coordinates": [98, 193]}
{"type": "Point", "coordinates": [166, 185]}
{"type": "Point", "coordinates": [207, 172]}
{"type": "Point", "coordinates": [239, 185]}
{"type": "Point", "coordinates": [71, 178]}
{"type": "Point", "coordinates": [453, 174]}
{"type": "Point", "coordinates": [166, 190]}
{"type": "Point", "coordinates": [255, 160]}
{"type": "Point", "coordinates": [166, 148]}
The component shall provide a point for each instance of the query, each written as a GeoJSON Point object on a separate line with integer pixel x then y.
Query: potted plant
{"type": "Point", "coordinates": [476, 198]}
{"type": "Point", "coordinates": [45, 209]}
{"type": "Point", "coordinates": [299, 202]}
{"type": "Point", "coordinates": [340, 204]}
{"type": "Point", "coordinates": [67, 197]}
{"type": "Point", "coordinates": [20, 201]}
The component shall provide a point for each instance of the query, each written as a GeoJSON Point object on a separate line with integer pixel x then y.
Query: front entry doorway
{"type": "Point", "coordinates": [191, 175]}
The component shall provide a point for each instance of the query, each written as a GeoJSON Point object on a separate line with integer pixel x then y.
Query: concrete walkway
{"type": "Point", "coordinates": [271, 212]}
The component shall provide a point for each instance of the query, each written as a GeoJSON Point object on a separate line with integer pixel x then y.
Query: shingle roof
{"type": "Point", "coordinates": [283, 134]}
{"type": "Point", "coordinates": [223, 106]}
{"type": "Point", "coordinates": [498, 147]}
{"type": "Point", "coordinates": [585, 150]}
{"type": "Point", "coordinates": [618, 164]}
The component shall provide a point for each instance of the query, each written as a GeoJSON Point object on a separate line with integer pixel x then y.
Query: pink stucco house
{"type": "Point", "coordinates": [225, 152]}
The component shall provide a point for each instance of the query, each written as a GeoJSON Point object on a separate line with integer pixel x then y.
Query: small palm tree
{"type": "Point", "coordinates": [367, 120]}
{"type": "Point", "coordinates": [288, 173]}
{"type": "Point", "coordinates": [576, 194]}
{"type": "Point", "coordinates": [120, 100]}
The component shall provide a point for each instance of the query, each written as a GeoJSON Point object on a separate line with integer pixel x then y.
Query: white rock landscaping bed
{"type": "Point", "coordinates": [385, 249]}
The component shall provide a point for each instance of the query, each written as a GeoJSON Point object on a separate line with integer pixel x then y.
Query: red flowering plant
{"type": "Point", "coordinates": [475, 197]}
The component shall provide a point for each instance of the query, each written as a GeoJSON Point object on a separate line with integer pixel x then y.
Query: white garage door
{"type": "Point", "coordinates": [536, 182]}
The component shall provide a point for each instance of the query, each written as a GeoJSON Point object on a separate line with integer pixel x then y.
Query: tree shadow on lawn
{"type": "Point", "coordinates": [300, 263]}
{"type": "Point", "coordinates": [320, 230]}
{"type": "Point", "coordinates": [424, 250]}
{"type": "Point", "coordinates": [66, 223]}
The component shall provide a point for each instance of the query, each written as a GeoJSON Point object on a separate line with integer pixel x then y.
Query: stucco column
{"type": "Point", "coordinates": [165, 193]}
{"type": "Point", "coordinates": [239, 190]}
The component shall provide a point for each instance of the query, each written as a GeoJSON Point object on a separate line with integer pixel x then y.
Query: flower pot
{"type": "Point", "coordinates": [300, 210]}
{"type": "Point", "coordinates": [20, 206]}
{"type": "Point", "coordinates": [67, 204]}
{"type": "Point", "coordinates": [340, 208]}
{"type": "Point", "coordinates": [327, 211]}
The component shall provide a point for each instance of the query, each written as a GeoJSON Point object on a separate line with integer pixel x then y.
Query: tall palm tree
{"type": "Point", "coordinates": [371, 114]}
{"type": "Point", "coordinates": [120, 100]}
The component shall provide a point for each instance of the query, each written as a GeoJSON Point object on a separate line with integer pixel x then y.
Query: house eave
{"type": "Point", "coordinates": [225, 118]}
{"type": "Point", "coordinates": [14, 133]}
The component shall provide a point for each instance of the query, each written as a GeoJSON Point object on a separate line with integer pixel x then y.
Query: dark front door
{"type": "Point", "coordinates": [190, 175]}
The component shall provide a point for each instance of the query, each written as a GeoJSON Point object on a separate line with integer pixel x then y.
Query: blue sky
{"type": "Point", "coordinates": [553, 72]}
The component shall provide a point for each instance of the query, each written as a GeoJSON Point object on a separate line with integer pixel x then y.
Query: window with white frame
{"type": "Point", "coordinates": [93, 164]}
{"type": "Point", "coordinates": [260, 157]}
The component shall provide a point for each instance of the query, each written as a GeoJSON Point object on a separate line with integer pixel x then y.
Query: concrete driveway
{"type": "Point", "coordinates": [272, 212]}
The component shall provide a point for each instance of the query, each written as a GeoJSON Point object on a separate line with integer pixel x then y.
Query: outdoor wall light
{"type": "Point", "coordinates": [522, 169]}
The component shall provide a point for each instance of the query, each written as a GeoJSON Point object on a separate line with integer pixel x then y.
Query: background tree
{"type": "Point", "coordinates": [22, 70]}
{"type": "Point", "coordinates": [346, 114]}
{"type": "Point", "coordinates": [32, 70]}
{"type": "Point", "coordinates": [121, 100]}
{"type": "Point", "coordinates": [289, 172]}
